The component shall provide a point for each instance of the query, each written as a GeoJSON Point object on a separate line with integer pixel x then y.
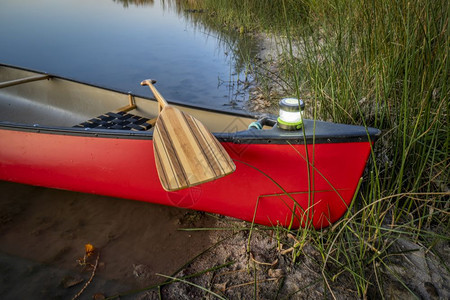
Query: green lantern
{"type": "Point", "coordinates": [291, 114]}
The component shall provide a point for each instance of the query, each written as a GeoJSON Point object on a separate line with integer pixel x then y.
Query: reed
{"type": "Point", "coordinates": [248, 15]}
{"type": "Point", "coordinates": [380, 63]}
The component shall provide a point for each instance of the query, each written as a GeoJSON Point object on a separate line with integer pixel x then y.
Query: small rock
{"type": "Point", "coordinates": [141, 271]}
{"type": "Point", "coordinates": [70, 281]}
{"type": "Point", "coordinates": [275, 273]}
{"type": "Point", "coordinates": [220, 287]}
{"type": "Point", "coordinates": [98, 296]}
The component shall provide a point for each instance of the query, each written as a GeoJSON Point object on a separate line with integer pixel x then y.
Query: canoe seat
{"type": "Point", "coordinates": [118, 120]}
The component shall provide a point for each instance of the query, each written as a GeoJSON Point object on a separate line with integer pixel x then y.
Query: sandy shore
{"type": "Point", "coordinates": [43, 233]}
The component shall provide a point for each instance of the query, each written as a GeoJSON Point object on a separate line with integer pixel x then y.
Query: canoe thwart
{"type": "Point", "coordinates": [23, 80]}
{"type": "Point", "coordinates": [130, 106]}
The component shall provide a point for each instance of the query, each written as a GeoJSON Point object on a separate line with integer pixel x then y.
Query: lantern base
{"type": "Point", "coordinates": [289, 126]}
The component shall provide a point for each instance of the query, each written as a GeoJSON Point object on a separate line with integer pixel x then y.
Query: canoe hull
{"type": "Point", "coordinates": [271, 181]}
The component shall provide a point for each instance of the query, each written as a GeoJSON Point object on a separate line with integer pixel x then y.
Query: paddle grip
{"type": "Point", "coordinates": [162, 102]}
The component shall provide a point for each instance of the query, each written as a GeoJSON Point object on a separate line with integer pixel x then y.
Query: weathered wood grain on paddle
{"type": "Point", "coordinates": [186, 153]}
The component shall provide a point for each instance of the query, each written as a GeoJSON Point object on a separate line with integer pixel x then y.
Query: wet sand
{"type": "Point", "coordinates": [44, 231]}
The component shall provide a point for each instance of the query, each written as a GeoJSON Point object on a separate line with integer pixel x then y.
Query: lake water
{"type": "Point", "coordinates": [117, 44]}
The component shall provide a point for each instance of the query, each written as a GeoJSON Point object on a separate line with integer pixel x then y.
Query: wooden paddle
{"type": "Point", "coordinates": [186, 153]}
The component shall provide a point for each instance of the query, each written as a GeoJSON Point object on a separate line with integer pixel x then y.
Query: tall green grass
{"type": "Point", "coordinates": [380, 63]}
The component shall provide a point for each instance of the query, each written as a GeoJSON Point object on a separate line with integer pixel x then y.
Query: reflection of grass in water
{"type": "Point", "coordinates": [239, 49]}
{"type": "Point", "coordinates": [382, 64]}
{"type": "Point", "coordinates": [127, 3]}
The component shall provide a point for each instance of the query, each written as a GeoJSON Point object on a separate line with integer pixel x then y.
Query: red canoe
{"type": "Point", "coordinates": [58, 133]}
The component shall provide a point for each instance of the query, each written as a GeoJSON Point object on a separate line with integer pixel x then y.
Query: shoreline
{"type": "Point", "coordinates": [43, 233]}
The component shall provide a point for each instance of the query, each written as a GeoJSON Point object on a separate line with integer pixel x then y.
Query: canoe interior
{"type": "Point", "coordinates": [58, 102]}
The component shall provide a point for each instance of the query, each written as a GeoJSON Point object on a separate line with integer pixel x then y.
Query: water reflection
{"type": "Point", "coordinates": [118, 43]}
{"type": "Point", "coordinates": [242, 49]}
{"type": "Point", "coordinates": [239, 48]}
{"type": "Point", "coordinates": [127, 3]}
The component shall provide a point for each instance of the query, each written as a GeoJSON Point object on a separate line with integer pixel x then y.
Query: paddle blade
{"type": "Point", "coordinates": [186, 153]}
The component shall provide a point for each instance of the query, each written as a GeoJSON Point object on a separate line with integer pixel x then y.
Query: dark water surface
{"type": "Point", "coordinates": [116, 44]}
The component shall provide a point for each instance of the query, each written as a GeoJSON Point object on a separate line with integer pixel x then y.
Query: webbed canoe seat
{"type": "Point", "coordinates": [120, 119]}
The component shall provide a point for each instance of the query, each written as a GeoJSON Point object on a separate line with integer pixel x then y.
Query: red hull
{"type": "Point", "coordinates": [125, 168]}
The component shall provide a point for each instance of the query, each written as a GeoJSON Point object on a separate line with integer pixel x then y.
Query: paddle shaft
{"type": "Point", "coordinates": [162, 102]}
